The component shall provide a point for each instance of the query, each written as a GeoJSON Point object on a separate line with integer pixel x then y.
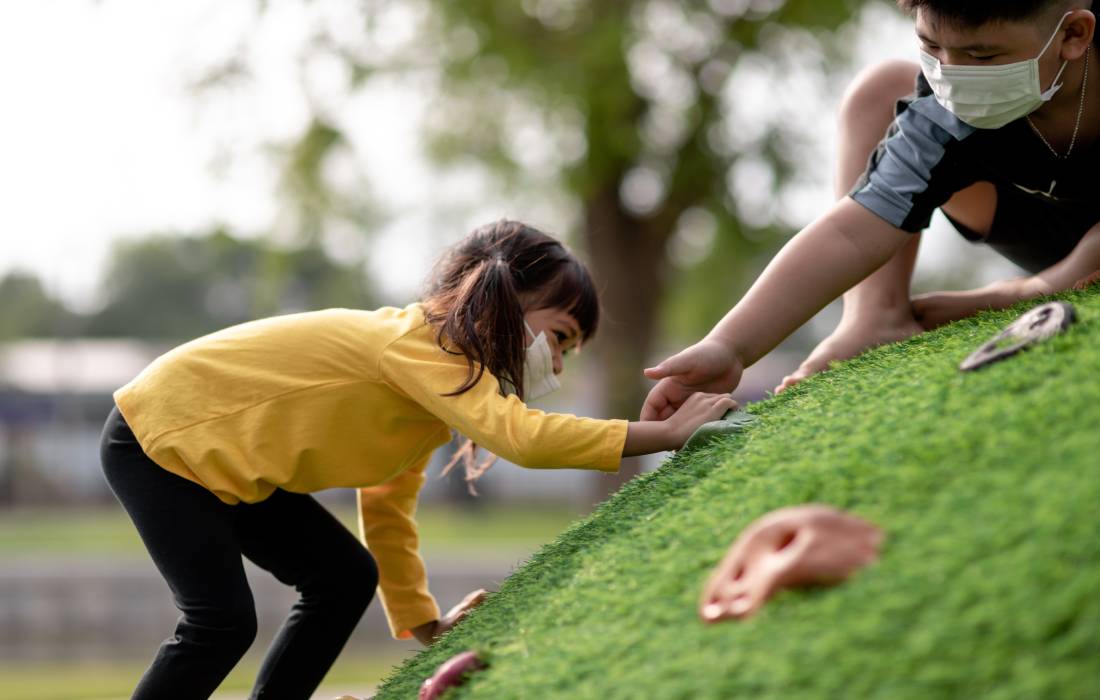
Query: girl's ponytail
{"type": "Point", "coordinates": [485, 323]}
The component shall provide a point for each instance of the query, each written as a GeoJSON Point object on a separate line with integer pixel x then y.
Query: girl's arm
{"type": "Point", "coordinates": [387, 528]}
{"type": "Point", "coordinates": [645, 437]}
{"type": "Point", "coordinates": [936, 309]}
{"type": "Point", "coordinates": [523, 435]}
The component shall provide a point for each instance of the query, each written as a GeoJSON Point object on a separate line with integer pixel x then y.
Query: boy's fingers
{"type": "Point", "coordinates": [659, 404]}
{"type": "Point", "coordinates": [474, 599]}
{"type": "Point", "coordinates": [654, 372]}
{"type": "Point", "coordinates": [671, 367]}
{"type": "Point", "coordinates": [653, 408]}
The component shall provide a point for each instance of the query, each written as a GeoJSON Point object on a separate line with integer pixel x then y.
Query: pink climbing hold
{"type": "Point", "coordinates": [804, 545]}
{"type": "Point", "coordinates": [450, 673]}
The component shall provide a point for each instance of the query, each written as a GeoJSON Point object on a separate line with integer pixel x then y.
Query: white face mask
{"type": "Point", "coordinates": [988, 97]}
{"type": "Point", "coordinates": [538, 367]}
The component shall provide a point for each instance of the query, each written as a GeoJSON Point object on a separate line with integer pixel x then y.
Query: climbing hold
{"type": "Point", "coordinates": [1034, 326]}
{"type": "Point", "coordinates": [803, 545]}
{"type": "Point", "coordinates": [450, 673]}
{"type": "Point", "coordinates": [733, 422]}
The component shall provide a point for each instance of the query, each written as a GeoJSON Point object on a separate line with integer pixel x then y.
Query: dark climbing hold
{"type": "Point", "coordinates": [732, 422]}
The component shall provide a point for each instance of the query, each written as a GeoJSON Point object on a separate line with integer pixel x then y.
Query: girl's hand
{"type": "Point", "coordinates": [430, 631]}
{"type": "Point", "coordinates": [697, 409]}
{"type": "Point", "coordinates": [645, 437]}
{"type": "Point", "coordinates": [709, 365]}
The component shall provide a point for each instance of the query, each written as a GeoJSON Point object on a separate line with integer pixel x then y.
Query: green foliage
{"type": "Point", "coordinates": [27, 310]}
{"type": "Point", "coordinates": [175, 287]}
{"type": "Point", "coordinates": [304, 183]}
{"type": "Point", "coordinates": [180, 287]}
{"type": "Point", "coordinates": [989, 584]}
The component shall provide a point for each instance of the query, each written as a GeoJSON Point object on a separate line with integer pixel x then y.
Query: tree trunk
{"type": "Point", "coordinates": [627, 258]}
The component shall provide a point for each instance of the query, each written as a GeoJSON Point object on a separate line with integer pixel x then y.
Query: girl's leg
{"type": "Point", "coordinates": [190, 535]}
{"type": "Point", "coordinates": [303, 545]}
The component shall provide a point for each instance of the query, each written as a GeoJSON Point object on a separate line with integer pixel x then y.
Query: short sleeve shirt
{"type": "Point", "coordinates": [928, 154]}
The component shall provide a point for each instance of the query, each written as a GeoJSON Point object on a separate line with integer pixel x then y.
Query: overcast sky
{"type": "Point", "coordinates": [100, 137]}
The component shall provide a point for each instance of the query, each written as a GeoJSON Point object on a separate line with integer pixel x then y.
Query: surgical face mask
{"type": "Point", "coordinates": [988, 97]}
{"type": "Point", "coordinates": [538, 367]}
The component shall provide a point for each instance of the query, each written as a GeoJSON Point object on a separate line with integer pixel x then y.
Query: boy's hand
{"type": "Point", "coordinates": [939, 308]}
{"type": "Point", "coordinates": [709, 365]}
{"type": "Point", "coordinates": [697, 409]}
{"type": "Point", "coordinates": [430, 631]}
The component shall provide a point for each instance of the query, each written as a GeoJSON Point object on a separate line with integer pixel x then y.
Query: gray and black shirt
{"type": "Point", "coordinates": [1045, 205]}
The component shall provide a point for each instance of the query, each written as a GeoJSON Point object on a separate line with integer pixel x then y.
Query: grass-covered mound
{"type": "Point", "coordinates": [987, 484]}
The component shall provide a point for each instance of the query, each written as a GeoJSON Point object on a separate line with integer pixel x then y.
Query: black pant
{"type": "Point", "coordinates": [197, 541]}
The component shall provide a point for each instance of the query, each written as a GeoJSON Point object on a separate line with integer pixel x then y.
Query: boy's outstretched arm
{"type": "Point", "coordinates": [816, 266]}
{"type": "Point", "coordinates": [936, 309]}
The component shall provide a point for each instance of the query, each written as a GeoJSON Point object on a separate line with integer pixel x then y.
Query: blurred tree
{"type": "Point", "coordinates": [627, 106]}
{"type": "Point", "coordinates": [180, 287]}
{"type": "Point", "coordinates": [27, 310]}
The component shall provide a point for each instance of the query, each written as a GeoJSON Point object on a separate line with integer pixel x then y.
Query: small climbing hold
{"type": "Point", "coordinates": [1034, 326]}
{"type": "Point", "coordinates": [450, 673]}
{"type": "Point", "coordinates": [807, 545]}
{"type": "Point", "coordinates": [733, 422]}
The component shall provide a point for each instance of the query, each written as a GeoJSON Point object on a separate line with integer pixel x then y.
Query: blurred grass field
{"type": "Point", "coordinates": [352, 674]}
{"type": "Point", "coordinates": [107, 530]}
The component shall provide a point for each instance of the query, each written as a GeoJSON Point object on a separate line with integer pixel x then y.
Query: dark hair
{"type": "Point", "coordinates": [974, 13]}
{"type": "Point", "coordinates": [480, 288]}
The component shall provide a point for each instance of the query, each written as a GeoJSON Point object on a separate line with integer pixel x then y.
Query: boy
{"type": "Point", "coordinates": [1002, 134]}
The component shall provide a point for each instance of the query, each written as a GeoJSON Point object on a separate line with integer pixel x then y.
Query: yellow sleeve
{"type": "Point", "coordinates": [503, 425]}
{"type": "Point", "coordinates": [387, 528]}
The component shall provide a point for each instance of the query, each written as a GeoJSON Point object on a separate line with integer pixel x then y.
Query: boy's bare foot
{"type": "Point", "coordinates": [849, 340]}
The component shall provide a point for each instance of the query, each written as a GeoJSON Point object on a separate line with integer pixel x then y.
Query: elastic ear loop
{"type": "Point", "coordinates": [1054, 85]}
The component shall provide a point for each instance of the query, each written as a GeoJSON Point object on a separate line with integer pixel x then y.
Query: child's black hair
{"type": "Point", "coordinates": [481, 287]}
{"type": "Point", "coordinates": [975, 13]}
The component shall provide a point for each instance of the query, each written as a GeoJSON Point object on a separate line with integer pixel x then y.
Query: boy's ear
{"type": "Point", "coordinates": [1079, 29]}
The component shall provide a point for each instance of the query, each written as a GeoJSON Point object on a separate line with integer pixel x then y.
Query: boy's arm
{"type": "Point", "coordinates": [816, 266]}
{"type": "Point", "coordinates": [936, 309]}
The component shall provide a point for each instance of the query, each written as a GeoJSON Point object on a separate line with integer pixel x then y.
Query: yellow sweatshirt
{"type": "Point", "coordinates": [342, 398]}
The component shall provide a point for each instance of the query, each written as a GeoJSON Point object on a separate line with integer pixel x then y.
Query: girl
{"type": "Point", "coordinates": [214, 447]}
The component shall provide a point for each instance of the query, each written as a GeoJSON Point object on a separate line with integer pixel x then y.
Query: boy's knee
{"type": "Point", "coordinates": [873, 92]}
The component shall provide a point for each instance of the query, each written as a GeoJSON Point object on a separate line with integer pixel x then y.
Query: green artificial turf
{"type": "Point", "coordinates": [987, 484]}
